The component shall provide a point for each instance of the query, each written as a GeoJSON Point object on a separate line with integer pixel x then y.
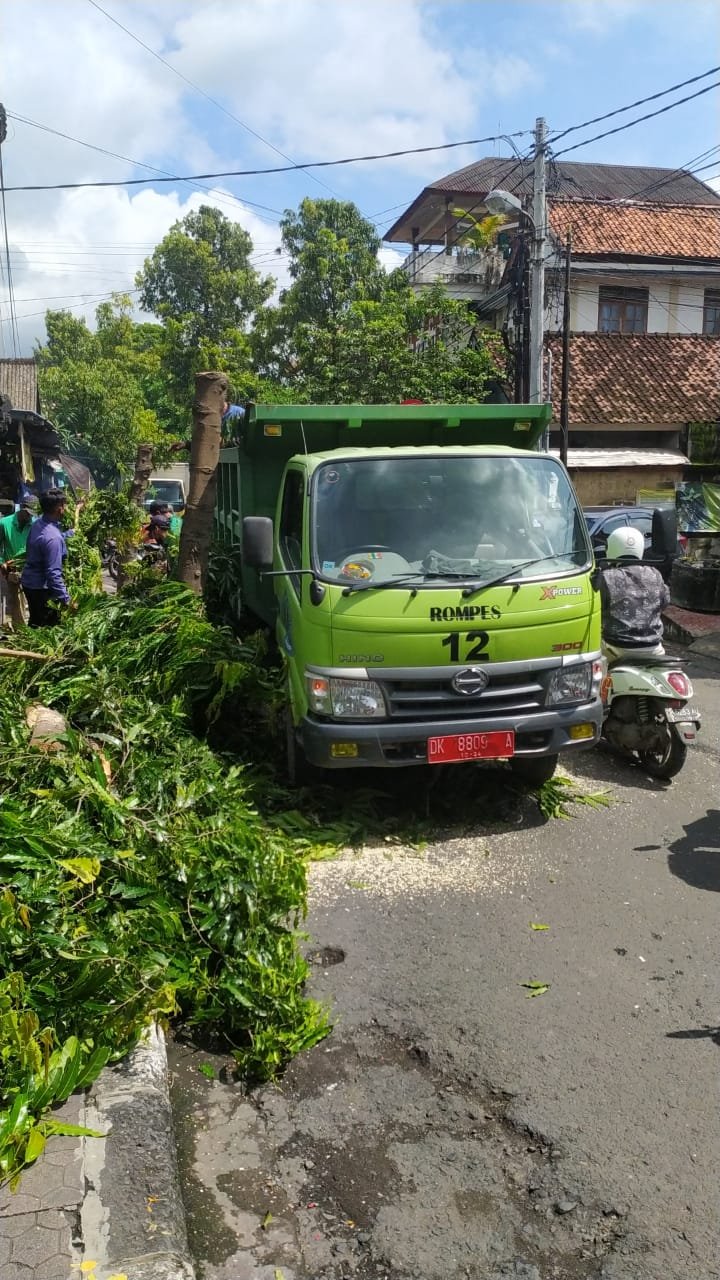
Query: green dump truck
{"type": "Point", "coordinates": [429, 579]}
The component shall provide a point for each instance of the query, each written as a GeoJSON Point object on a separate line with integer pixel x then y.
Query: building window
{"type": "Point", "coordinates": [622, 310]}
{"type": "Point", "coordinates": [711, 312]}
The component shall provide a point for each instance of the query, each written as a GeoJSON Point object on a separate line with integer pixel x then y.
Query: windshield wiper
{"type": "Point", "coordinates": [405, 580]}
{"type": "Point", "coordinates": [518, 568]}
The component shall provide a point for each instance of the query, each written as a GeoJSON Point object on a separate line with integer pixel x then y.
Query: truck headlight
{"type": "Point", "coordinates": [345, 699]}
{"type": "Point", "coordinates": [571, 684]}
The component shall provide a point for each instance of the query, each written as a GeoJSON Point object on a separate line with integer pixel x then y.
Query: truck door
{"type": "Point", "coordinates": [290, 541]}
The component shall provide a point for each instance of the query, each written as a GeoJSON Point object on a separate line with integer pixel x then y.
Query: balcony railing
{"type": "Point", "coordinates": [465, 271]}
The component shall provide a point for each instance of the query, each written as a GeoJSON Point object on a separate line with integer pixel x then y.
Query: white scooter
{"type": "Point", "coordinates": [648, 714]}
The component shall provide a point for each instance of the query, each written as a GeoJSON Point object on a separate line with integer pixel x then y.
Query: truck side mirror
{"type": "Point", "coordinates": [664, 531]}
{"type": "Point", "coordinates": [257, 542]}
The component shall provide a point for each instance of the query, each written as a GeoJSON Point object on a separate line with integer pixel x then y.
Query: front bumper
{"type": "Point", "coordinates": [389, 744]}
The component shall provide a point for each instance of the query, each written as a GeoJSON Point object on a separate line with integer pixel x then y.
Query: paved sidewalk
{"type": "Point", "coordinates": [114, 1201]}
{"type": "Point", "coordinates": [40, 1222]}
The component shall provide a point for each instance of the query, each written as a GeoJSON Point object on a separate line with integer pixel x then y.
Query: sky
{"type": "Point", "coordinates": [312, 79]}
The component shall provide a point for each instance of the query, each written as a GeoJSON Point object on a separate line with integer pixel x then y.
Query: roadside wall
{"type": "Point", "coordinates": [598, 487]}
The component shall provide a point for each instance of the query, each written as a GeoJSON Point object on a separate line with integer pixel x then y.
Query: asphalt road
{"type": "Point", "coordinates": [453, 1125]}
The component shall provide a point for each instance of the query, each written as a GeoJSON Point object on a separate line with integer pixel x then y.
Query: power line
{"type": "Point", "coordinates": [250, 173]}
{"type": "Point", "coordinates": [639, 102]}
{"type": "Point", "coordinates": [77, 306]}
{"type": "Point", "coordinates": [202, 92]}
{"type": "Point", "coordinates": [639, 119]}
{"type": "Point", "coordinates": [674, 173]}
{"type": "Point", "coordinates": [140, 164]}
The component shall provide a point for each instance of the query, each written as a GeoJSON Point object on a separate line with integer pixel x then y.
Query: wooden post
{"type": "Point", "coordinates": [196, 532]}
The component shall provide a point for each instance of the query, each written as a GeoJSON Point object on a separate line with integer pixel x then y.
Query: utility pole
{"type": "Point", "coordinates": [537, 291]}
{"type": "Point", "coordinates": [565, 381]}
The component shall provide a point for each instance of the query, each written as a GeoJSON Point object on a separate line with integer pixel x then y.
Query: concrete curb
{"type": "Point", "coordinates": [682, 626]}
{"type": "Point", "coordinates": [133, 1220]}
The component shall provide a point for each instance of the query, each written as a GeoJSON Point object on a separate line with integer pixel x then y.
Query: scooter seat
{"type": "Point", "coordinates": [645, 660]}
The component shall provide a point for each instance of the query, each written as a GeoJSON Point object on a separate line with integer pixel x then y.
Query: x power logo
{"type": "Point", "coordinates": [551, 593]}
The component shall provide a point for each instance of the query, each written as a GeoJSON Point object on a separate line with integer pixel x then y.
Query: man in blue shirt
{"type": "Point", "coordinates": [42, 578]}
{"type": "Point", "coordinates": [232, 418]}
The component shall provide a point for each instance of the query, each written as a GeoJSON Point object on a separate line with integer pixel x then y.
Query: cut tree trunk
{"type": "Point", "coordinates": [143, 471]}
{"type": "Point", "coordinates": [197, 525]}
{"type": "Point", "coordinates": [140, 483]}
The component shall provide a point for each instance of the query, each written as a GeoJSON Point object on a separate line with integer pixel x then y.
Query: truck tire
{"type": "Point", "coordinates": [299, 771]}
{"type": "Point", "coordinates": [534, 769]}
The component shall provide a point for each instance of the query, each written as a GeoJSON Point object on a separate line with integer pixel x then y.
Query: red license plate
{"type": "Point", "coordinates": [470, 746]}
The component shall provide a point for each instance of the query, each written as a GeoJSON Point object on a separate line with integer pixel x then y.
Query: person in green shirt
{"type": "Point", "coordinates": [14, 530]}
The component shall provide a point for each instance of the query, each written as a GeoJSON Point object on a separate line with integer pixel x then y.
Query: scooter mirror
{"type": "Point", "coordinates": [664, 531]}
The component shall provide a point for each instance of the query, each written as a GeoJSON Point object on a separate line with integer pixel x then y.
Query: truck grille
{"type": "Point", "coordinates": [434, 697]}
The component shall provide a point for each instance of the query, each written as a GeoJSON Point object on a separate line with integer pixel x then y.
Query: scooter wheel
{"type": "Point", "coordinates": [667, 763]}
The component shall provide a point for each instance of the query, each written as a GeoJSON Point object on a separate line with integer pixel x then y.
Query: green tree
{"type": "Point", "coordinates": [333, 260]}
{"type": "Point", "coordinates": [333, 263]}
{"type": "Point", "coordinates": [479, 233]}
{"type": "Point", "coordinates": [203, 288]}
{"type": "Point", "coordinates": [92, 387]}
{"type": "Point", "coordinates": [403, 346]}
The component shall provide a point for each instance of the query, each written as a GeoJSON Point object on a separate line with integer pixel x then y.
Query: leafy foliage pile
{"type": "Point", "coordinates": [137, 878]}
{"type": "Point", "coordinates": [107, 514]}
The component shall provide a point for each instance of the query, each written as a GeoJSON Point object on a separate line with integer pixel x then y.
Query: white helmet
{"type": "Point", "coordinates": [625, 542]}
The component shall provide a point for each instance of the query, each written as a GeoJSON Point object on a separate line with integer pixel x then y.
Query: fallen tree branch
{"type": "Point", "coordinates": [23, 653]}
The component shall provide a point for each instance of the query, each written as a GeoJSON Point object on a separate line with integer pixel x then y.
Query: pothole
{"type": "Point", "coordinates": [326, 956]}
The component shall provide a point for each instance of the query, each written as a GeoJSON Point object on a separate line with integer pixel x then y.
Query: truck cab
{"type": "Point", "coordinates": [433, 602]}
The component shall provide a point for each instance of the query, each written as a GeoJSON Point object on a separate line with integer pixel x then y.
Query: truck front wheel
{"type": "Point", "coordinates": [300, 773]}
{"type": "Point", "coordinates": [534, 769]}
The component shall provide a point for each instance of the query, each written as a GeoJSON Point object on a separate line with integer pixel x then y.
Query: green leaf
{"type": "Point", "coordinates": [35, 1145]}
{"type": "Point", "coordinates": [536, 988]}
{"type": "Point", "coordinates": [266, 1220]}
{"type": "Point", "coordinates": [206, 1069]}
{"type": "Point", "coordinates": [86, 870]}
{"type": "Point", "coordinates": [60, 1129]}
{"type": "Point", "coordinates": [538, 927]}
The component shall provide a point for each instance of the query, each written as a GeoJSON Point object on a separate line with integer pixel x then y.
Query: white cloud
{"type": "Point", "coordinates": [95, 241]}
{"type": "Point", "coordinates": [344, 78]}
{"type": "Point", "coordinates": [320, 78]}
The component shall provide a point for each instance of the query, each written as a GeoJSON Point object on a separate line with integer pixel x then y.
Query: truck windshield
{"type": "Point", "coordinates": [470, 517]}
{"type": "Point", "coordinates": [170, 491]}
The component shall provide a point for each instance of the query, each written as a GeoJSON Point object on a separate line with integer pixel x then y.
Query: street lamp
{"type": "Point", "coordinates": [500, 201]}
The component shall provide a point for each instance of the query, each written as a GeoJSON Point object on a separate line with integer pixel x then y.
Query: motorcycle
{"type": "Point", "coordinates": [110, 558]}
{"type": "Point", "coordinates": [647, 712]}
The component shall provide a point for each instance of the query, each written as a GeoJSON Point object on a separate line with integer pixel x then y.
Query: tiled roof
{"type": "Point", "coordinates": [581, 181]}
{"type": "Point", "coordinates": [639, 377]}
{"type": "Point", "coordinates": [427, 218]}
{"type": "Point", "coordinates": [651, 231]}
{"type": "Point", "coordinates": [18, 381]}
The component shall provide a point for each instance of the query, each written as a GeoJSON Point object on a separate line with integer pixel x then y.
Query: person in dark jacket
{"type": "Point", "coordinates": [633, 597]}
{"type": "Point", "coordinates": [42, 577]}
